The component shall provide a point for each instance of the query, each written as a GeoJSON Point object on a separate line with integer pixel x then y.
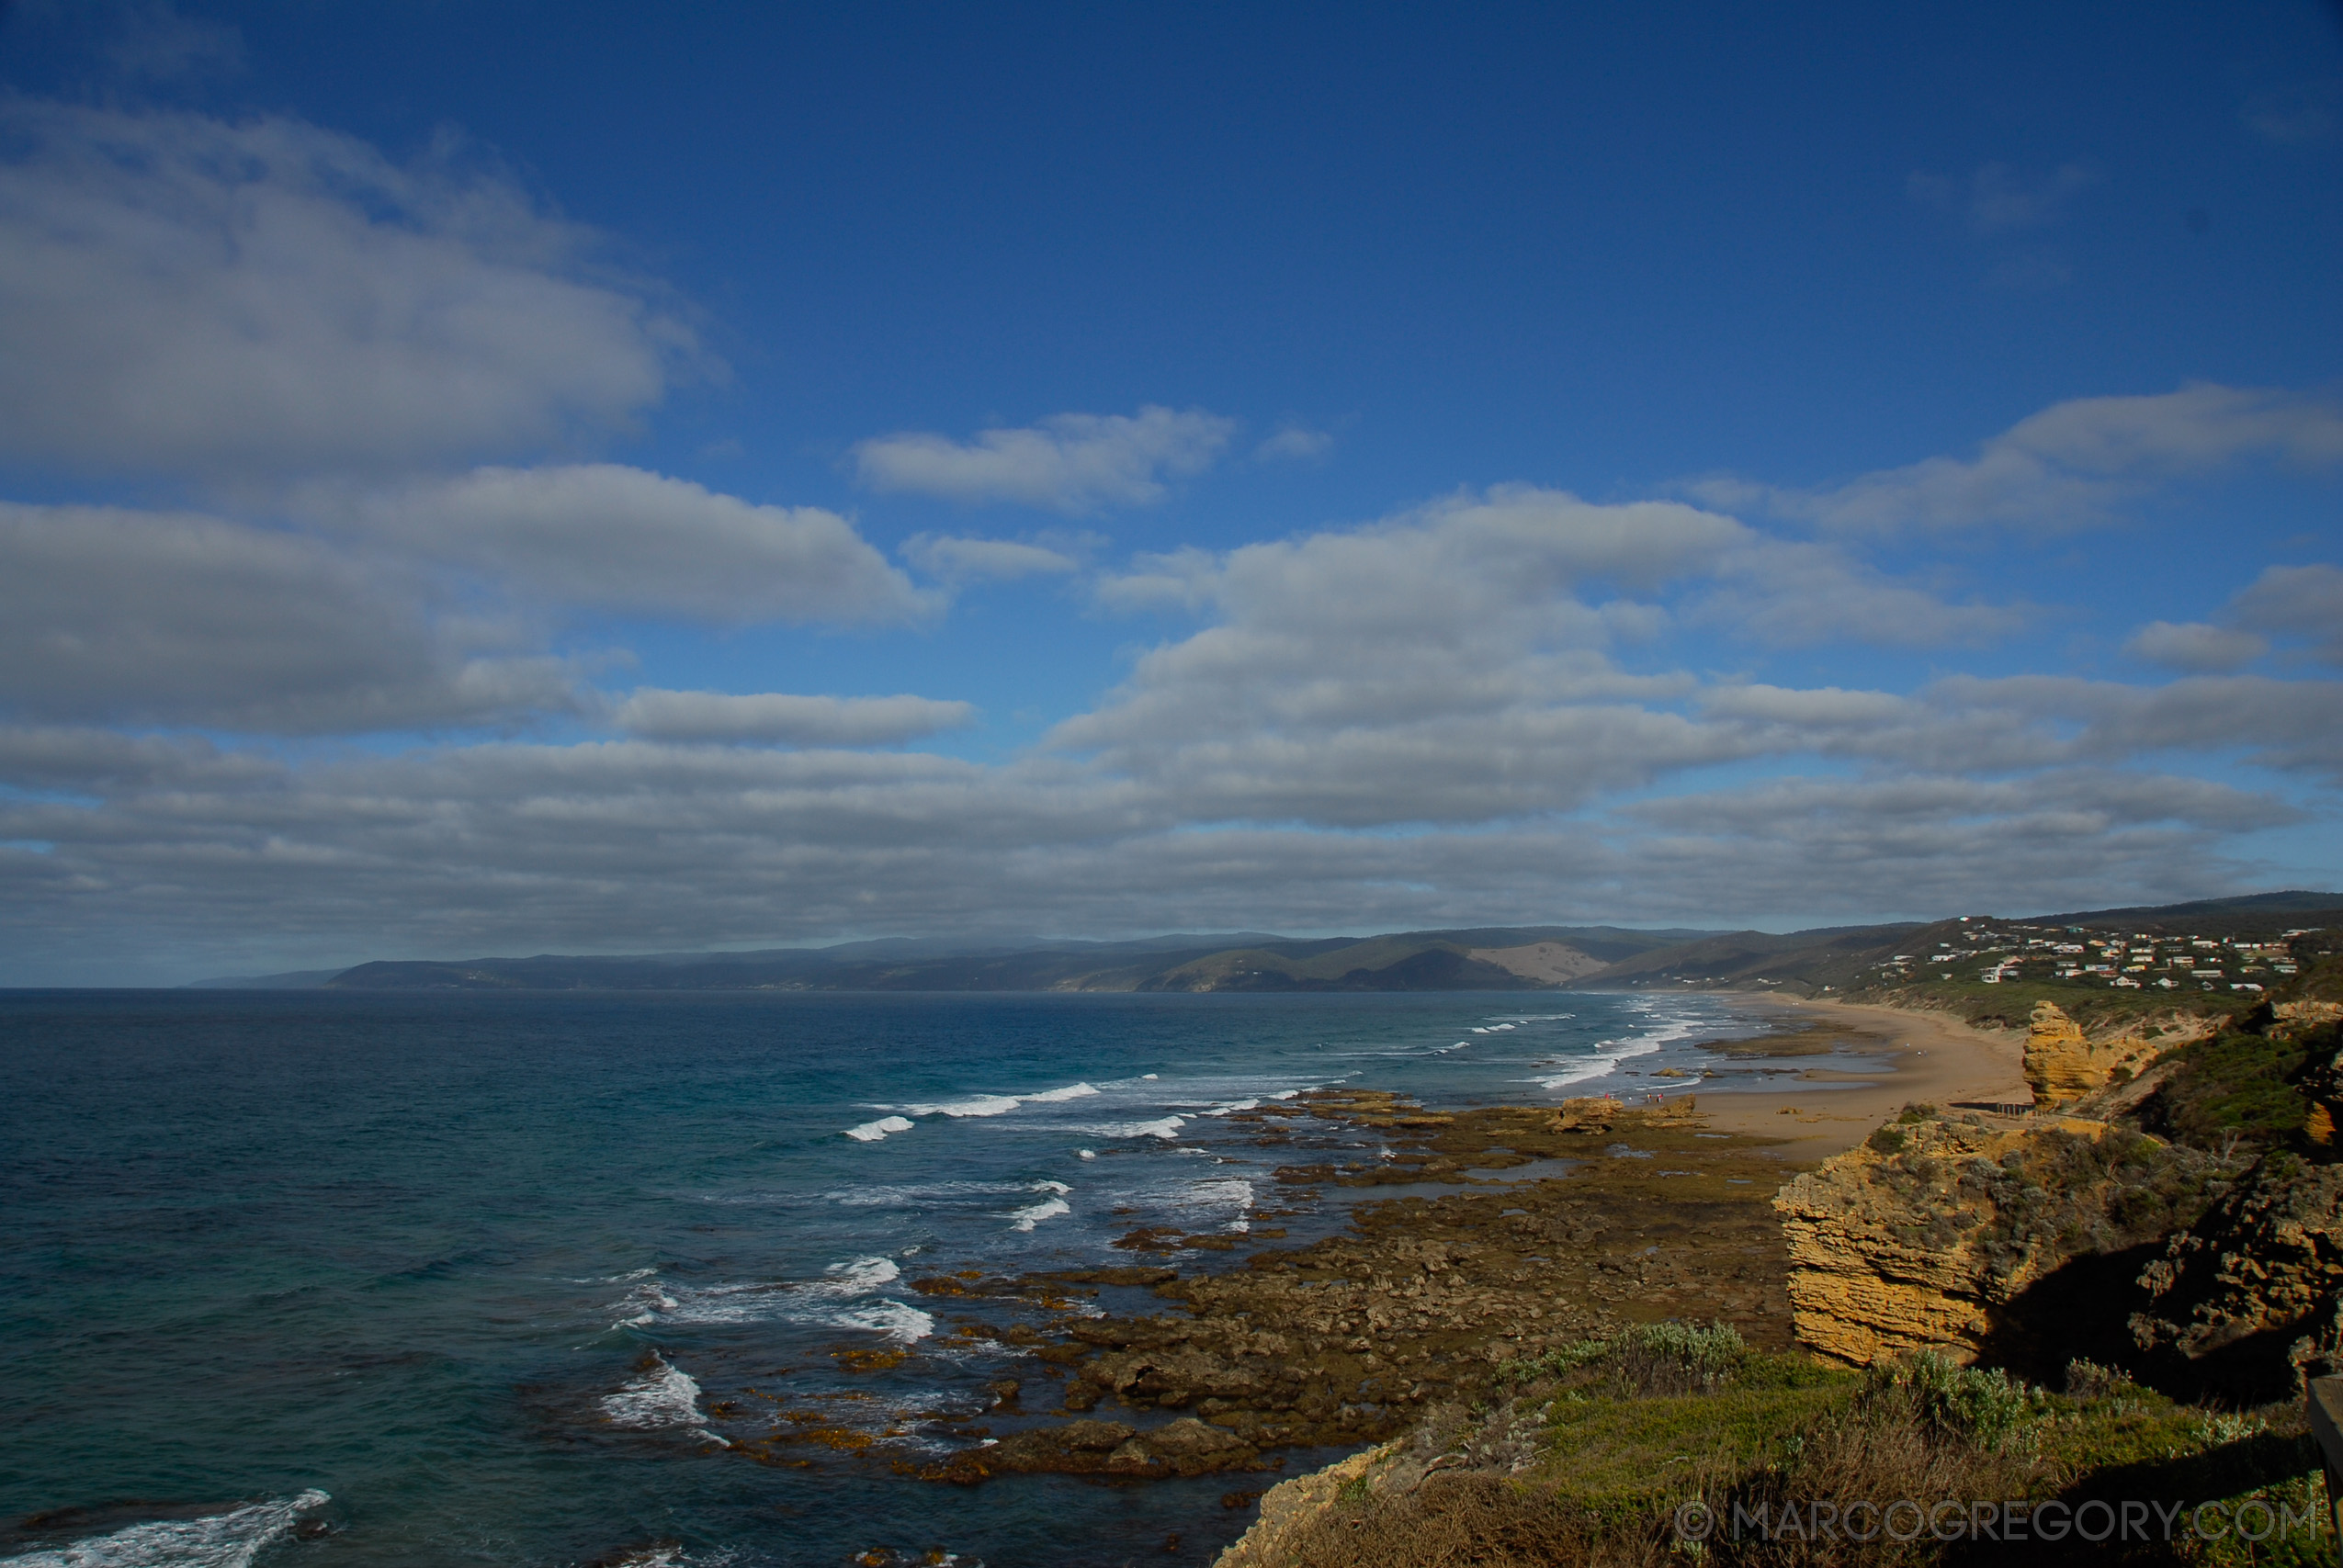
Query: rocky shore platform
{"type": "Point", "coordinates": [1478, 1237]}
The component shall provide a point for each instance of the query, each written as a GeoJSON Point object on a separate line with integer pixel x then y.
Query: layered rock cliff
{"type": "Point", "coordinates": [1912, 1240]}
{"type": "Point", "coordinates": [2194, 1197]}
{"type": "Point", "coordinates": [2064, 1063]}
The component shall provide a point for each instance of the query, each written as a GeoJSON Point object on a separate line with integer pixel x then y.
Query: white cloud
{"type": "Point", "coordinates": [1792, 594]}
{"type": "Point", "coordinates": [957, 560]}
{"type": "Point", "coordinates": [1294, 442]}
{"type": "Point", "coordinates": [1998, 199]}
{"type": "Point", "coordinates": [622, 538]}
{"type": "Point", "coordinates": [1073, 463]}
{"type": "Point", "coordinates": [634, 845]}
{"type": "Point", "coordinates": [184, 294]}
{"type": "Point", "coordinates": [2065, 466]}
{"type": "Point", "coordinates": [784, 719]}
{"type": "Point", "coordinates": [1444, 665]}
{"type": "Point", "coordinates": [2300, 601]}
{"type": "Point", "coordinates": [107, 613]}
{"type": "Point", "coordinates": [2291, 725]}
{"type": "Point", "coordinates": [2195, 647]}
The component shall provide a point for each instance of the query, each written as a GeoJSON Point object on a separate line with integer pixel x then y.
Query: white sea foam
{"type": "Point", "coordinates": [873, 1131]}
{"type": "Point", "coordinates": [216, 1540]}
{"type": "Point", "coordinates": [926, 1194]}
{"type": "Point", "coordinates": [1478, 1030]}
{"type": "Point", "coordinates": [1166, 1127]}
{"type": "Point", "coordinates": [1218, 1193]}
{"type": "Point", "coordinates": [647, 1302]}
{"type": "Point", "coordinates": [1049, 1209]}
{"type": "Point", "coordinates": [669, 1554]}
{"type": "Point", "coordinates": [1608, 1053]}
{"type": "Point", "coordinates": [1051, 1097]}
{"type": "Point", "coordinates": [764, 1301]}
{"type": "Point", "coordinates": [975, 1105]}
{"type": "Point", "coordinates": [721, 1304]}
{"type": "Point", "coordinates": [898, 1320]}
{"type": "Point", "coordinates": [1085, 1154]}
{"type": "Point", "coordinates": [1057, 1187]}
{"type": "Point", "coordinates": [856, 1277]}
{"type": "Point", "coordinates": [664, 1396]}
{"type": "Point", "coordinates": [1148, 1078]}
{"type": "Point", "coordinates": [841, 1299]}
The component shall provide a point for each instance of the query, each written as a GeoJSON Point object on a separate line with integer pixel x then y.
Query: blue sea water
{"type": "Point", "coordinates": [317, 1278]}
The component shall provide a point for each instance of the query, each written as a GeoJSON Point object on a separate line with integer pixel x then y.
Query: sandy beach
{"type": "Point", "coordinates": [1934, 1059]}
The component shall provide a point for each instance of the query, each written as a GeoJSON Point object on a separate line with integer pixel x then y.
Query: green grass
{"type": "Point", "coordinates": [1624, 1455]}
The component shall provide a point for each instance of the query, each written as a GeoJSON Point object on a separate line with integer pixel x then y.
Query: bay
{"type": "Point", "coordinates": [455, 1278]}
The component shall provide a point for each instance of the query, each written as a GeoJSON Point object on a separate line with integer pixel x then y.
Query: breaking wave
{"type": "Point", "coordinates": [217, 1540]}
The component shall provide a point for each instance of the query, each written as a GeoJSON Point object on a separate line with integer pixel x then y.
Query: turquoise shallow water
{"type": "Point", "coordinates": [322, 1277]}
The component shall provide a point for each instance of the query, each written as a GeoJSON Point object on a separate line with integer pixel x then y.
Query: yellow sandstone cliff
{"type": "Point", "coordinates": [2063, 1063]}
{"type": "Point", "coordinates": [1896, 1245]}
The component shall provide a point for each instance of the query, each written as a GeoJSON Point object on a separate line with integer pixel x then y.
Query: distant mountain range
{"type": "Point", "coordinates": [1480, 958]}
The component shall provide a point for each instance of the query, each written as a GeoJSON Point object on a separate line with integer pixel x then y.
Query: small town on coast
{"type": "Point", "coordinates": [2072, 1259]}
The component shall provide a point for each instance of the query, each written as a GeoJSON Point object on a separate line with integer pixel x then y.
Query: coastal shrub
{"type": "Point", "coordinates": [1642, 1359]}
{"type": "Point", "coordinates": [2234, 1090]}
{"type": "Point", "coordinates": [1783, 1432]}
{"type": "Point", "coordinates": [1986, 1407]}
{"type": "Point", "coordinates": [1679, 1358]}
{"type": "Point", "coordinates": [2088, 1382]}
{"type": "Point", "coordinates": [2067, 1194]}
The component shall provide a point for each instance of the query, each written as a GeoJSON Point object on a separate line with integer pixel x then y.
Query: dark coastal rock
{"type": "Point", "coordinates": [1420, 1301]}
{"type": "Point", "coordinates": [2250, 1297]}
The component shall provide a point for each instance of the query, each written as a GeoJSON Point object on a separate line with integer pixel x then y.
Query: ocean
{"type": "Point", "coordinates": [321, 1277]}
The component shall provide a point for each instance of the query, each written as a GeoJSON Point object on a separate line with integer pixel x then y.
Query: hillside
{"type": "Point", "coordinates": [1478, 958]}
{"type": "Point", "coordinates": [2216, 955]}
{"type": "Point", "coordinates": [1985, 968]}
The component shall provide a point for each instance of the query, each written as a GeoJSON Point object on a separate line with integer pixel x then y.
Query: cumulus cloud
{"type": "Point", "coordinates": [1793, 595]}
{"type": "Point", "coordinates": [1464, 713]}
{"type": "Point", "coordinates": [2065, 466]}
{"type": "Point", "coordinates": [958, 560]}
{"type": "Point", "coordinates": [110, 613]}
{"type": "Point", "coordinates": [1073, 463]}
{"type": "Point", "coordinates": [1452, 663]}
{"type": "Point", "coordinates": [2195, 647]}
{"type": "Point", "coordinates": [780, 718]}
{"type": "Point", "coordinates": [622, 538]}
{"type": "Point", "coordinates": [184, 294]}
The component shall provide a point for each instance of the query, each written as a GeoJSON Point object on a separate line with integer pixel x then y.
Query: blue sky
{"type": "Point", "coordinates": [503, 477]}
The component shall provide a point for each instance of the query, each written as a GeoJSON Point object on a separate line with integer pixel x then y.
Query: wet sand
{"type": "Point", "coordinates": [1935, 1059]}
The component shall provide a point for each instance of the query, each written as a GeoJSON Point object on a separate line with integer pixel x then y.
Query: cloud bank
{"type": "Point", "coordinates": [318, 665]}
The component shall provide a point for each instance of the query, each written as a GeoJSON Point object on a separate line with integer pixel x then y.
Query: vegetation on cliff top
{"type": "Point", "coordinates": [1619, 1449]}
